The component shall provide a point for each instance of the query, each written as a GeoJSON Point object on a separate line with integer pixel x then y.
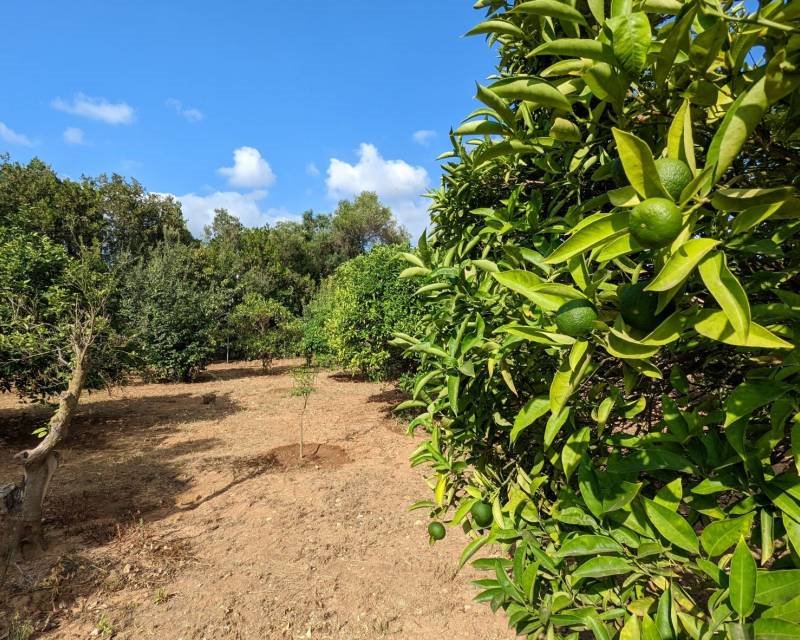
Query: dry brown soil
{"type": "Point", "coordinates": [178, 518]}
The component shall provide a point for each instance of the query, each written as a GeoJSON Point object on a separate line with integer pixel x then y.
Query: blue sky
{"type": "Point", "coordinates": [266, 107]}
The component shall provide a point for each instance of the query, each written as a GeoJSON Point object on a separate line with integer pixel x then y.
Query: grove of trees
{"type": "Point", "coordinates": [609, 371]}
{"type": "Point", "coordinates": [101, 281]}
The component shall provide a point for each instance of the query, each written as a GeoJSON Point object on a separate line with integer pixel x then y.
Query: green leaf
{"type": "Point", "coordinates": [414, 272]}
{"type": "Point", "coordinates": [548, 295]}
{"type": "Point", "coordinates": [534, 409]}
{"type": "Point", "coordinates": [575, 450]}
{"type": "Point", "coordinates": [714, 324]}
{"type": "Point", "coordinates": [664, 615]}
{"type": "Point", "coordinates": [599, 231]}
{"type": "Point", "coordinates": [742, 580]}
{"type": "Point", "coordinates": [453, 383]}
{"type": "Point", "coordinates": [480, 127]}
{"type": "Point", "coordinates": [606, 82]}
{"type": "Point", "coordinates": [774, 629]}
{"type": "Point", "coordinates": [565, 130]}
{"type": "Point", "coordinates": [681, 264]}
{"type": "Point", "coordinates": [753, 216]}
{"type": "Point", "coordinates": [727, 291]}
{"type": "Point", "coordinates": [534, 90]}
{"type": "Point", "coordinates": [631, 630]}
{"type": "Point", "coordinates": [748, 397]}
{"type": "Point", "coordinates": [602, 567]}
{"type": "Point", "coordinates": [497, 26]}
{"type": "Point", "coordinates": [552, 9]}
{"type": "Point", "coordinates": [776, 587]}
{"type": "Point", "coordinates": [471, 549]}
{"type": "Point", "coordinates": [630, 40]}
{"type": "Point", "coordinates": [671, 526]}
{"type": "Point", "coordinates": [721, 535]}
{"type": "Point", "coordinates": [789, 611]}
{"type": "Point", "coordinates": [413, 259]}
{"type": "Point", "coordinates": [576, 48]}
{"type": "Point", "coordinates": [680, 142]}
{"type": "Point", "coordinates": [589, 545]}
{"type": "Point", "coordinates": [498, 105]}
{"type": "Point", "coordinates": [640, 168]}
{"type": "Point", "coordinates": [553, 426]}
{"type": "Point", "coordinates": [523, 282]}
{"type": "Point", "coordinates": [739, 123]}
{"type": "Point", "coordinates": [670, 495]}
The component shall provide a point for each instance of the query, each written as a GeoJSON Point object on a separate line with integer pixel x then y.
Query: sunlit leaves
{"type": "Point", "coordinates": [681, 263]}
{"type": "Point", "coordinates": [727, 290]}
{"type": "Point", "coordinates": [631, 37]}
{"type": "Point", "coordinates": [640, 168]}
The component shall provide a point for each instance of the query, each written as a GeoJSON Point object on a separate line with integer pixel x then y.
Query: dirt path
{"type": "Point", "coordinates": [179, 519]}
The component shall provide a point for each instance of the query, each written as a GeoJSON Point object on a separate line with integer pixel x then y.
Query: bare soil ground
{"type": "Point", "coordinates": [178, 518]}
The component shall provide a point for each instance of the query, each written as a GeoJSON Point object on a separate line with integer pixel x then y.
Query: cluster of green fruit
{"type": "Point", "coordinates": [481, 518]}
{"type": "Point", "coordinates": [654, 223]}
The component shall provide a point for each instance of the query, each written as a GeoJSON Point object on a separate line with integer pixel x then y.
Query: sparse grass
{"type": "Point", "coordinates": [20, 629]}
{"type": "Point", "coordinates": [160, 596]}
{"type": "Point", "coordinates": [104, 627]}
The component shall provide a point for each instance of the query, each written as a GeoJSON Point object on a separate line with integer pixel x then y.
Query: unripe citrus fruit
{"type": "Point", "coordinates": [638, 307]}
{"type": "Point", "coordinates": [482, 514]}
{"type": "Point", "coordinates": [656, 222]}
{"type": "Point", "coordinates": [675, 175]}
{"type": "Point", "coordinates": [436, 530]}
{"type": "Point", "coordinates": [576, 318]}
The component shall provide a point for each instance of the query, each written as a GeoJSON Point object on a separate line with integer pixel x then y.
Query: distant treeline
{"type": "Point", "coordinates": [172, 303]}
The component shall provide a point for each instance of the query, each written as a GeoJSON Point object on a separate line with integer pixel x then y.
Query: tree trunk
{"type": "Point", "coordinates": [39, 465]}
{"type": "Point", "coordinates": [301, 436]}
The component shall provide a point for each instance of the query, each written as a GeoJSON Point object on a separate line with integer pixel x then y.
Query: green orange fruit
{"type": "Point", "coordinates": [576, 318]}
{"type": "Point", "coordinates": [638, 307]}
{"type": "Point", "coordinates": [675, 175]}
{"type": "Point", "coordinates": [436, 530]}
{"type": "Point", "coordinates": [656, 222]}
{"type": "Point", "coordinates": [482, 514]}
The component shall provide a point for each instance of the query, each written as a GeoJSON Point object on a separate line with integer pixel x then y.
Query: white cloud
{"type": "Point", "coordinates": [312, 170]}
{"type": "Point", "coordinates": [96, 109]}
{"type": "Point", "coordinates": [423, 137]}
{"type": "Point", "coordinates": [397, 183]}
{"type": "Point", "coordinates": [249, 170]}
{"type": "Point", "coordinates": [10, 136]}
{"type": "Point", "coordinates": [199, 209]}
{"type": "Point", "coordinates": [73, 135]}
{"type": "Point", "coordinates": [190, 113]}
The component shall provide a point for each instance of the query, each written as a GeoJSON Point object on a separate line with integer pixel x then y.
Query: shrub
{"type": "Point", "coordinates": [265, 329]}
{"type": "Point", "coordinates": [643, 483]}
{"type": "Point", "coordinates": [352, 320]}
{"type": "Point", "coordinates": [171, 314]}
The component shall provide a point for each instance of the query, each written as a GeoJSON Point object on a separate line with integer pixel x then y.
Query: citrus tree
{"type": "Point", "coordinates": [266, 330]}
{"type": "Point", "coordinates": [351, 320]}
{"type": "Point", "coordinates": [610, 370]}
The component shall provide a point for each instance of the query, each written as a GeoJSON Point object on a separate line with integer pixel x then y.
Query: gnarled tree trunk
{"type": "Point", "coordinates": [24, 502]}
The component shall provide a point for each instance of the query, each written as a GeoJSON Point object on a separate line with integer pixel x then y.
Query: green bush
{"type": "Point", "coordinates": [43, 291]}
{"type": "Point", "coordinates": [643, 482]}
{"type": "Point", "coordinates": [171, 314]}
{"type": "Point", "coordinates": [353, 318]}
{"type": "Point", "coordinates": [265, 329]}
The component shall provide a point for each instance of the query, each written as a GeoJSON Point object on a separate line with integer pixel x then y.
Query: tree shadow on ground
{"type": "Point", "coordinates": [388, 399]}
{"type": "Point", "coordinates": [238, 373]}
{"type": "Point", "coordinates": [345, 376]}
{"type": "Point", "coordinates": [121, 469]}
{"type": "Point", "coordinates": [97, 423]}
